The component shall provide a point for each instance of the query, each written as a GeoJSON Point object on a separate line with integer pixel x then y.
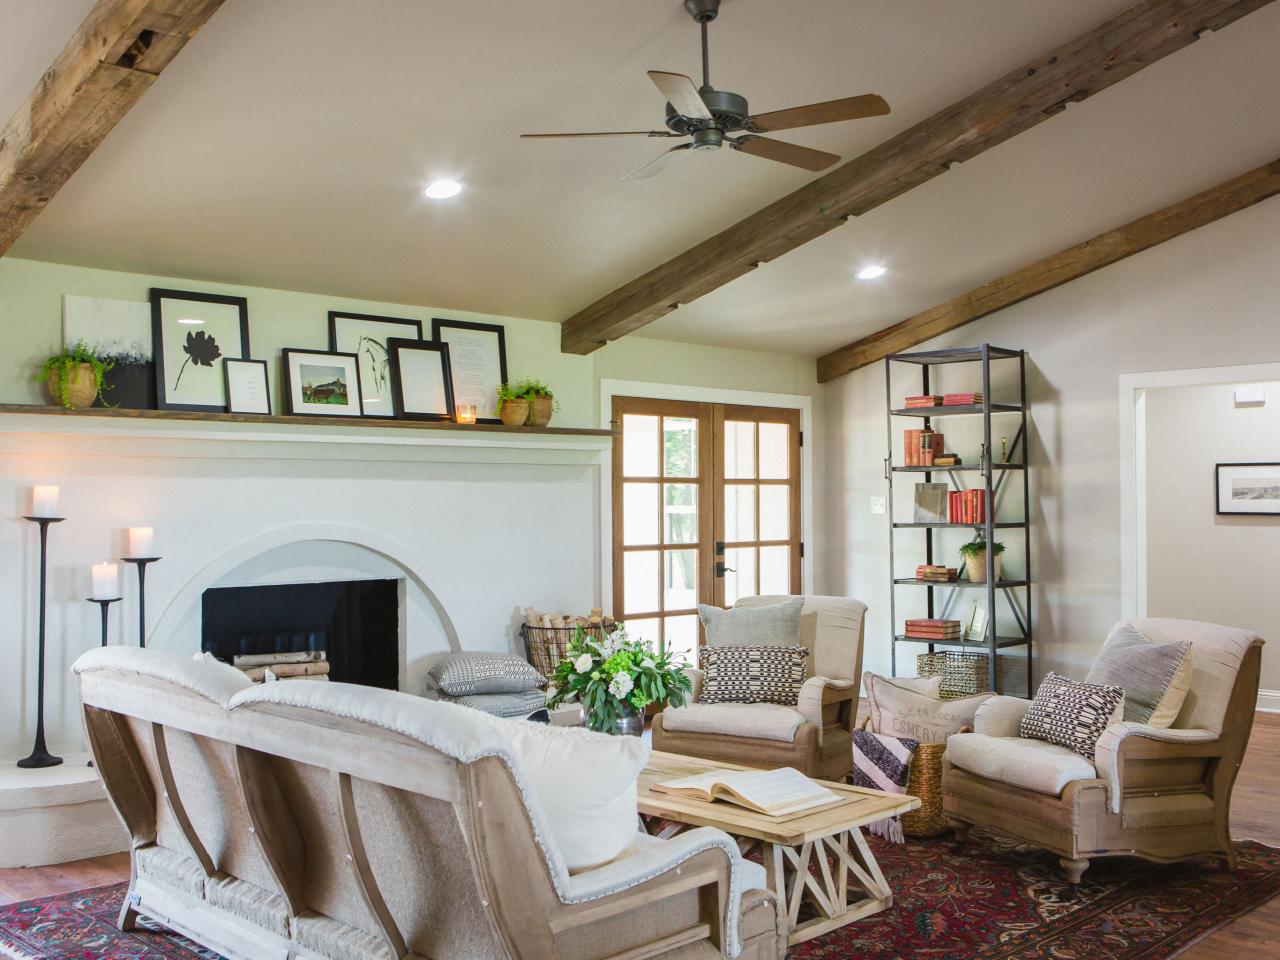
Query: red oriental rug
{"type": "Point", "coordinates": [999, 900]}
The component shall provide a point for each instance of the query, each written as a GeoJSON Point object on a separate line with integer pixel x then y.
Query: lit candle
{"type": "Point", "coordinates": [106, 581]}
{"type": "Point", "coordinates": [466, 413]}
{"type": "Point", "coordinates": [140, 541]}
{"type": "Point", "coordinates": [44, 501]}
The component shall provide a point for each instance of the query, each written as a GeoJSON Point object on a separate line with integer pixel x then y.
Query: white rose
{"type": "Point", "coordinates": [621, 685]}
{"type": "Point", "coordinates": [648, 663]}
{"type": "Point", "coordinates": [583, 663]}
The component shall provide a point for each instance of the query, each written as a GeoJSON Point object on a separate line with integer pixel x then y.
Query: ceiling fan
{"type": "Point", "coordinates": [707, 116]}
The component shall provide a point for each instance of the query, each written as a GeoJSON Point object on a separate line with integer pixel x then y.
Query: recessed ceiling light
{"type": "Point", "coordinates": [871, 271]}
{"type": "Point", "coordinates": [191, 322]}
{"type": "Point", "coordinates": [442, 189]}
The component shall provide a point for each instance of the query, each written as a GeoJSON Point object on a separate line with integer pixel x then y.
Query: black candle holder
{"type": "Point", "coordinates": [40, 755]}
{"type": "Point", "coordinates": [141, 564]}
{"type": "Point", "coordinates": [104, 603]}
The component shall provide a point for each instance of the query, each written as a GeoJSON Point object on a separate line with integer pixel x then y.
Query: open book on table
{"type": "Point", "coordinates": [775, 793]}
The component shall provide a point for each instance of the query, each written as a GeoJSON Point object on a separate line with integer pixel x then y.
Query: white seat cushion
{"type": "Point", "coordinates": [765, 721]}
{"type": "Point", "coordinates": [1030, 764]}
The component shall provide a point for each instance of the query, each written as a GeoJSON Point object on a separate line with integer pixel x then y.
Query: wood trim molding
{"type": "Point", "coordinates": [1053, 271]}
{"type": "Point", "coordinates": [105, 68]}
{"type": "Point", "coordinates": [1120, 47]}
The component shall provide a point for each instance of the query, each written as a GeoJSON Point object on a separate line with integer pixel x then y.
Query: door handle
{"type": "Point", "coordinates": [721, 569]}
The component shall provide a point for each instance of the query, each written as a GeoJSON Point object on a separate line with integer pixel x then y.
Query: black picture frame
{"type": "Point", "coordinates": [395, 347]}
{"type": "Point", "coordinates": [266, 384]}
{"type": "Point", "coordinates": [158, 296]}
{"type": "Point", "coordinates": [1217, 490]}
{"type": "Point", "coordinates": [373, 385]}
{"type": "Point", "coordinates": [286, 356]}
{"type": "Point", "coordinates": [439, 325]}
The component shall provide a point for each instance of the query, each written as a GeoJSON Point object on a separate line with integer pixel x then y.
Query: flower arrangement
{"type": "Point", "coordinates": [614, 677]}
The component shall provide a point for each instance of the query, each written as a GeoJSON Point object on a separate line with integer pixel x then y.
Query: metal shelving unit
{"type": "Point", "coordinates": [992, 477]}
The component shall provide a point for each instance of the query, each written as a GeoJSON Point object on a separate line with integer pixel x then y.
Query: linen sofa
{"type": "Point", "coordinates": [1163, 793]}
{"type": "Point", "coordinates": [814, 736]}
{"type": "Point", "coordinates": [328, 821]}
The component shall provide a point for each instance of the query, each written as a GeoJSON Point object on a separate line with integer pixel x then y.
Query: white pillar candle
{"type": "Point", "coordinates": [106, 581]}
{"type": "Point", "coordinates": [44, 501]}
{"type": "Point", "coordinates": [141, 541]}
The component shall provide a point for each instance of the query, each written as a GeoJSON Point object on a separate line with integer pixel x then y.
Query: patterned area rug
{"type": "Point", "coordinates": [997, 901]}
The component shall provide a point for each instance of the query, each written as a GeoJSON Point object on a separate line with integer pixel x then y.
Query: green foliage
{"type": "Point", "coordinates": [978, 547]}
{"type": "Point", "coordinates": [61, 366]}
{"type": "Point", "coordinates": [613, 676]}
{"type": "Point", "coordinates": [532, 389]}
{"type": "Point", "coordinates": [507, 392]}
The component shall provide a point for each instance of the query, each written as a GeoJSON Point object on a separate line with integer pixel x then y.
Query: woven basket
{"type": "Point", "coordinates": [963, 673]}
{"type": "Point", "coordinates": [545, 647]}
{"type": "Point", "coordinates": [924, 781]}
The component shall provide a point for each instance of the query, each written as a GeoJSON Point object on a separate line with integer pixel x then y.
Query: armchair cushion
{"type": "Point", "coordinates": [1000, 716]}
{"type": "Point", "coordinates": [1155, 676]}
{"type": "Point", "coordinates": [764, 721]}
{"type": "Point", "coordinates": [1072, 714]}
{"type": "Point", "coordinates": [1108, 759]}
{"type": "Point", "coordinates": [774, 625]}
{"type": "Point", "coordinates": [1031, 764]}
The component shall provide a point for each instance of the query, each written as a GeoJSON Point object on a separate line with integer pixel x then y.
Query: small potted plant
{"type": "Point", "coordinates": [74, 376]}
{"type": "Point", "coordinates": [512, 407]}
{"type": "Point", "coordinates": [615, 678]}
{"type": "Point", "coordinates": [975, 559]}
{"type": "Point", "coordinates": [542, 404]}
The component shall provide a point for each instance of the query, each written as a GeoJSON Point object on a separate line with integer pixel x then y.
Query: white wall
{"type": "Point", "coordinates": [1209, 298]}
{"type": "Point", "coordinates": [1199, 564]}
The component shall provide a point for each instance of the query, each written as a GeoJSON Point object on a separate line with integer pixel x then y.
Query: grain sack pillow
{"type": "Point", "coordinates": [468, 674]}
{"type": "Point", "coordinates": [758, 674]}
{"type": "Point", "coordinates": [773, 626]}
{"type": "Point", "coordinates": [899, 711]}
{"type": "Point", "coordinates": [1072, 714]}
{"type": "Point", "coordinates": [1155, 676]}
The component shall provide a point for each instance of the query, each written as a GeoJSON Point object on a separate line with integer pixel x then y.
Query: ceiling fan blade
{"type": "Point", "coordinates": [604, 133]}
{"type": "Point", "coordinates": [681, 94]}
{"type": "Point", "coordinates": [788, 153]}
{"type": "Point", "coordinates": [850, 108]}
{"type": "Point", "coordinates": [658, 164]}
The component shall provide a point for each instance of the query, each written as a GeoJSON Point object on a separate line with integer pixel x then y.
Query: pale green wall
{"type": "Point", "coordinates": [31, 329]}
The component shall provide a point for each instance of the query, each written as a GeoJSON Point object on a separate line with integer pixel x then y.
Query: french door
{"type": "Point", "coordinates": [706, 509]}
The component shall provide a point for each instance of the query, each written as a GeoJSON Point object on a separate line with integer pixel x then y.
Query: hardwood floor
{"type": "Point", "coordinates": [1253, 816]}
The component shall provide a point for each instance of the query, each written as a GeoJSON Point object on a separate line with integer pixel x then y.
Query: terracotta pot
{"type": "Point", "coordinates": [514, 412]}
{"type": "Point", "coordinates": [976, 565]}
{"type": "Point", "coordinates": [81, 389]}
{"type": "Point", "coordinates": [540, 411]}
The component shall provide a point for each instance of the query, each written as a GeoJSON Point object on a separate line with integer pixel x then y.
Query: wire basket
{"type": "Point", "coordinates": [963, 673]}
{"type": "Point", "coordinates": [545, 647]}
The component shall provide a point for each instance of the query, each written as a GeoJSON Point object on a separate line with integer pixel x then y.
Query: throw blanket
{"type": "Point", "coordinates": [883, 763]}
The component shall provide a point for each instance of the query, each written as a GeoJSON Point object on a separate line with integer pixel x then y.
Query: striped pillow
{"type": "Point", "coordinates": [883, 763]}
{"type": "Point", "coordinates": [1072, 714]}
{"type": "Point", "coordinates": [752, 674]}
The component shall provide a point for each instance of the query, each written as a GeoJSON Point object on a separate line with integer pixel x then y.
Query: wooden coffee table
{"type": "Point", "coordinates": [818, 863]}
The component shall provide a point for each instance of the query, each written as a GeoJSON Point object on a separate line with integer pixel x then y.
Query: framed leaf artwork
{"type": "Point", "coordinates": [366, 336]}
{"type": "Point", "coordinates": [191, 334]}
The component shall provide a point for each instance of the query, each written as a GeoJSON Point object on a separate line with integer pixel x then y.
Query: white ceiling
{"type": "Point", "coordinates": [287, 145]}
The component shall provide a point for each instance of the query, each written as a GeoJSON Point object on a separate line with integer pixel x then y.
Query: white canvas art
{"type": "Point", "coordinates": [110, 328]}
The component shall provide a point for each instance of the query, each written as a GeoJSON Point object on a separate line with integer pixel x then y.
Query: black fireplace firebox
{"type": "Point", "coordinates": [355, 622]}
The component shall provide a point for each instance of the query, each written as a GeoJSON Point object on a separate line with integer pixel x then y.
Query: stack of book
{"type": "Point", "coordinates": [936, 573]}
{"type": "Point", "coordinates": [946, 460]}
{"type": "Point", "coordinates": [919, 447]}
{"type": "Point", "coordinates": [967, 507]}
{"type": "Point", "coordinates": [962, 399]}
{"type": "Point", "coordinates": [924, 400]}
{"type": "Point", "coordinates": [929, 629]}
{"type": "Point", "coordinates": [299, 665]}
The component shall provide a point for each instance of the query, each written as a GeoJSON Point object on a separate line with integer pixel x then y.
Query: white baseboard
{"type": "Point", "coordinates": [1269, 700]}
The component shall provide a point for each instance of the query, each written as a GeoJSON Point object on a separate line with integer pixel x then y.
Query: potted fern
{"type": "Point", "coordinates": [542, 404]}
{"type": "Point", "coordinates": [975, 559]}
{"type": "Point", "coordinates": [512, 407]}
{"type": "Point", "coordinates": [74, 376]}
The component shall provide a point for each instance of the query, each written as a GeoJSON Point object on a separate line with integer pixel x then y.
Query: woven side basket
{"type": "Point", "coordinates": [924, 780]}
{"type": "Point", "coordinates": [963, 673]}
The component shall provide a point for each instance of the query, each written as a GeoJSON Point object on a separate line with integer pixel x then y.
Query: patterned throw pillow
{"type": "Point", "coordinates": [466, 674]}
{"type": "Point", "coordinates": [777, 624]}
{"type": "Point", "coordinates": [1072, 714]}
{"type": "Point", "coordinates": [1155, 676]}
{"type": "Point", "coordinates": [752, 674]}
{"type": "Point", "coordinates": [503, 704]}
{"type": "Point", "coordinates": [883, 763]}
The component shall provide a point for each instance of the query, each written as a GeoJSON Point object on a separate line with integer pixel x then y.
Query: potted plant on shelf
{"type": "Point", "coordinates": [975, 559]}
{"type": "Point", "coordinates": [615, 678]}
{"type": "Point", "coordinates": [74, 376]}
{"type": "Point", "coordinates": [542, 404]}
{"type": "Point", "coordinates": [512, 407]}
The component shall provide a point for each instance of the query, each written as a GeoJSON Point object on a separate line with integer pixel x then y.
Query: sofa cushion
{"type": "Point", "coordinates": [1031, 764]}
{"type": "Point", "coordinates": [752, 674]}
{"type": "Point", "coordinates": [467, 674]}
{"type": "Point", "coordinates": [774, 625]}
{"type": "Point", "coordinates": [215, 681]}
{"type": "Point", "coordinates": [502, 704]}
{"type": "Point", "coordinates": [765, 721]}
{"type": "Point", "coordinates": [1072, 714]}
{"type": "Point", "coordinates": [899, 711]}
{"type": "Point", "coordinates": [1155, 676]}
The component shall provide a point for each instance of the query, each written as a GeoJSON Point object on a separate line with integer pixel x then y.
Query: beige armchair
{"type": "Point", "coordinates": [815, 735]}
{"type": "Point", "coordinates": [1159, 793]}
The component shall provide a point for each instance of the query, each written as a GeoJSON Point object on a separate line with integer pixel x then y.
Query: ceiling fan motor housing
{"type": "Point", "coordinates": [703, 11]}
{"type": "Point", "coordinates": [728, 113]}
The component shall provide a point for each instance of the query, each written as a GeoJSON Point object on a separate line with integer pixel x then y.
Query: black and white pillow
{"type": "Point", "coordinates": [883, 763]}
{"type": "Point", "coordinates": [468, 674]}
{"type": "Point", "coordinates": [1072, 714]}
{"type": "Point", "coordinates": [755, 674]}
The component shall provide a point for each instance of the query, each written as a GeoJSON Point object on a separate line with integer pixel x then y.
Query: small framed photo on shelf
{"type": "Point", "coordinates": [976, 628]}
{"type": "Point", "coordinates": [1247, 489]}
{"type": "Point", "coordinates": [319, 383]}
{"type": "Point", "coordinates": [477, 363]}
{"type": "Point", "coordinates": [190, 335]}
{"type": "Point", "coordinates": [931, 503]}
{"type": "Point", "coordinates": [247, 389]}
{"type": "Point", "coordinates": [421, 384]}
{"type": "Point", "coordinates": [366, 336]}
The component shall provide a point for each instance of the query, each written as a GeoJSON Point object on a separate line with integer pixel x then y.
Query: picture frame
{"type": "Point", "coordinates": [118, 331]}
{"type": "Point", "coordinates": [248, 387]}
{"type": "Point", "coordinates": [421, 381]}
{"type": "Point", "coordinates": [366, 336]}
{"type": "Point", "coordinates": [321, 383]}
{"type": "Point", "coordinates": [1247, 489]}
{"type": "Point", "coordinates": [206, 327]}
{"type": "Point", "coordinates": [930, 502]}
{"type": "Point", "coordinates": [477, 363]}
{"type": "Point", "coordinates": [976, 629]}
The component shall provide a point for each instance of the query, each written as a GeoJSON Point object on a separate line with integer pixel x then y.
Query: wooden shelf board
{"type": "Point", "coordinates": [978, 645]}
{"type": "Point", "coordinates": [968, 409]}
{"type": "Point", "coordinates": [959, 468]}
{"type": "Point", "coordinates": [1003, 524]}
{"type": "Point", "coordinates": [1000, 584]}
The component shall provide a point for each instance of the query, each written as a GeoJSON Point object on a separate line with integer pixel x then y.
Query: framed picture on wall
{"type": "Point", "coordinates": [366, 336]}
{"type": "Point", "coordinates": [1247, 489]}
{"type": "Point", "coordinates": [421, 384]}
{"type": "Point", "coordinates": [477, 363]}
{"type": "Point", "coordinates": [190, 335]}
{"type": "Point", "coordinates": [247, 390]}
{"type": "Point", "coordinates": [319, 383]}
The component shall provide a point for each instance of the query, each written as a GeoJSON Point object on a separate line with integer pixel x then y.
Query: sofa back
{"type": "Point", "coordinates": [832, 629]}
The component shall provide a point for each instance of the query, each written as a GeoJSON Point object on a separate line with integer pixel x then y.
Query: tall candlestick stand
{"type": "Point", "coordinates": [104, 603]}
{"type": "Point", "coordinates": [40, 755]}
{"type": "Point", "coordinates": [141, 564]}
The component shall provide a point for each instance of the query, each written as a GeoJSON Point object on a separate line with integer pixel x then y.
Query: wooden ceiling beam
{"type": "Point", "coordinates": [1118, 48]}
{"type": "Point", "coordinates": [105, 68]}
{"type": "Point", "coordinates": [1084, 258]}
